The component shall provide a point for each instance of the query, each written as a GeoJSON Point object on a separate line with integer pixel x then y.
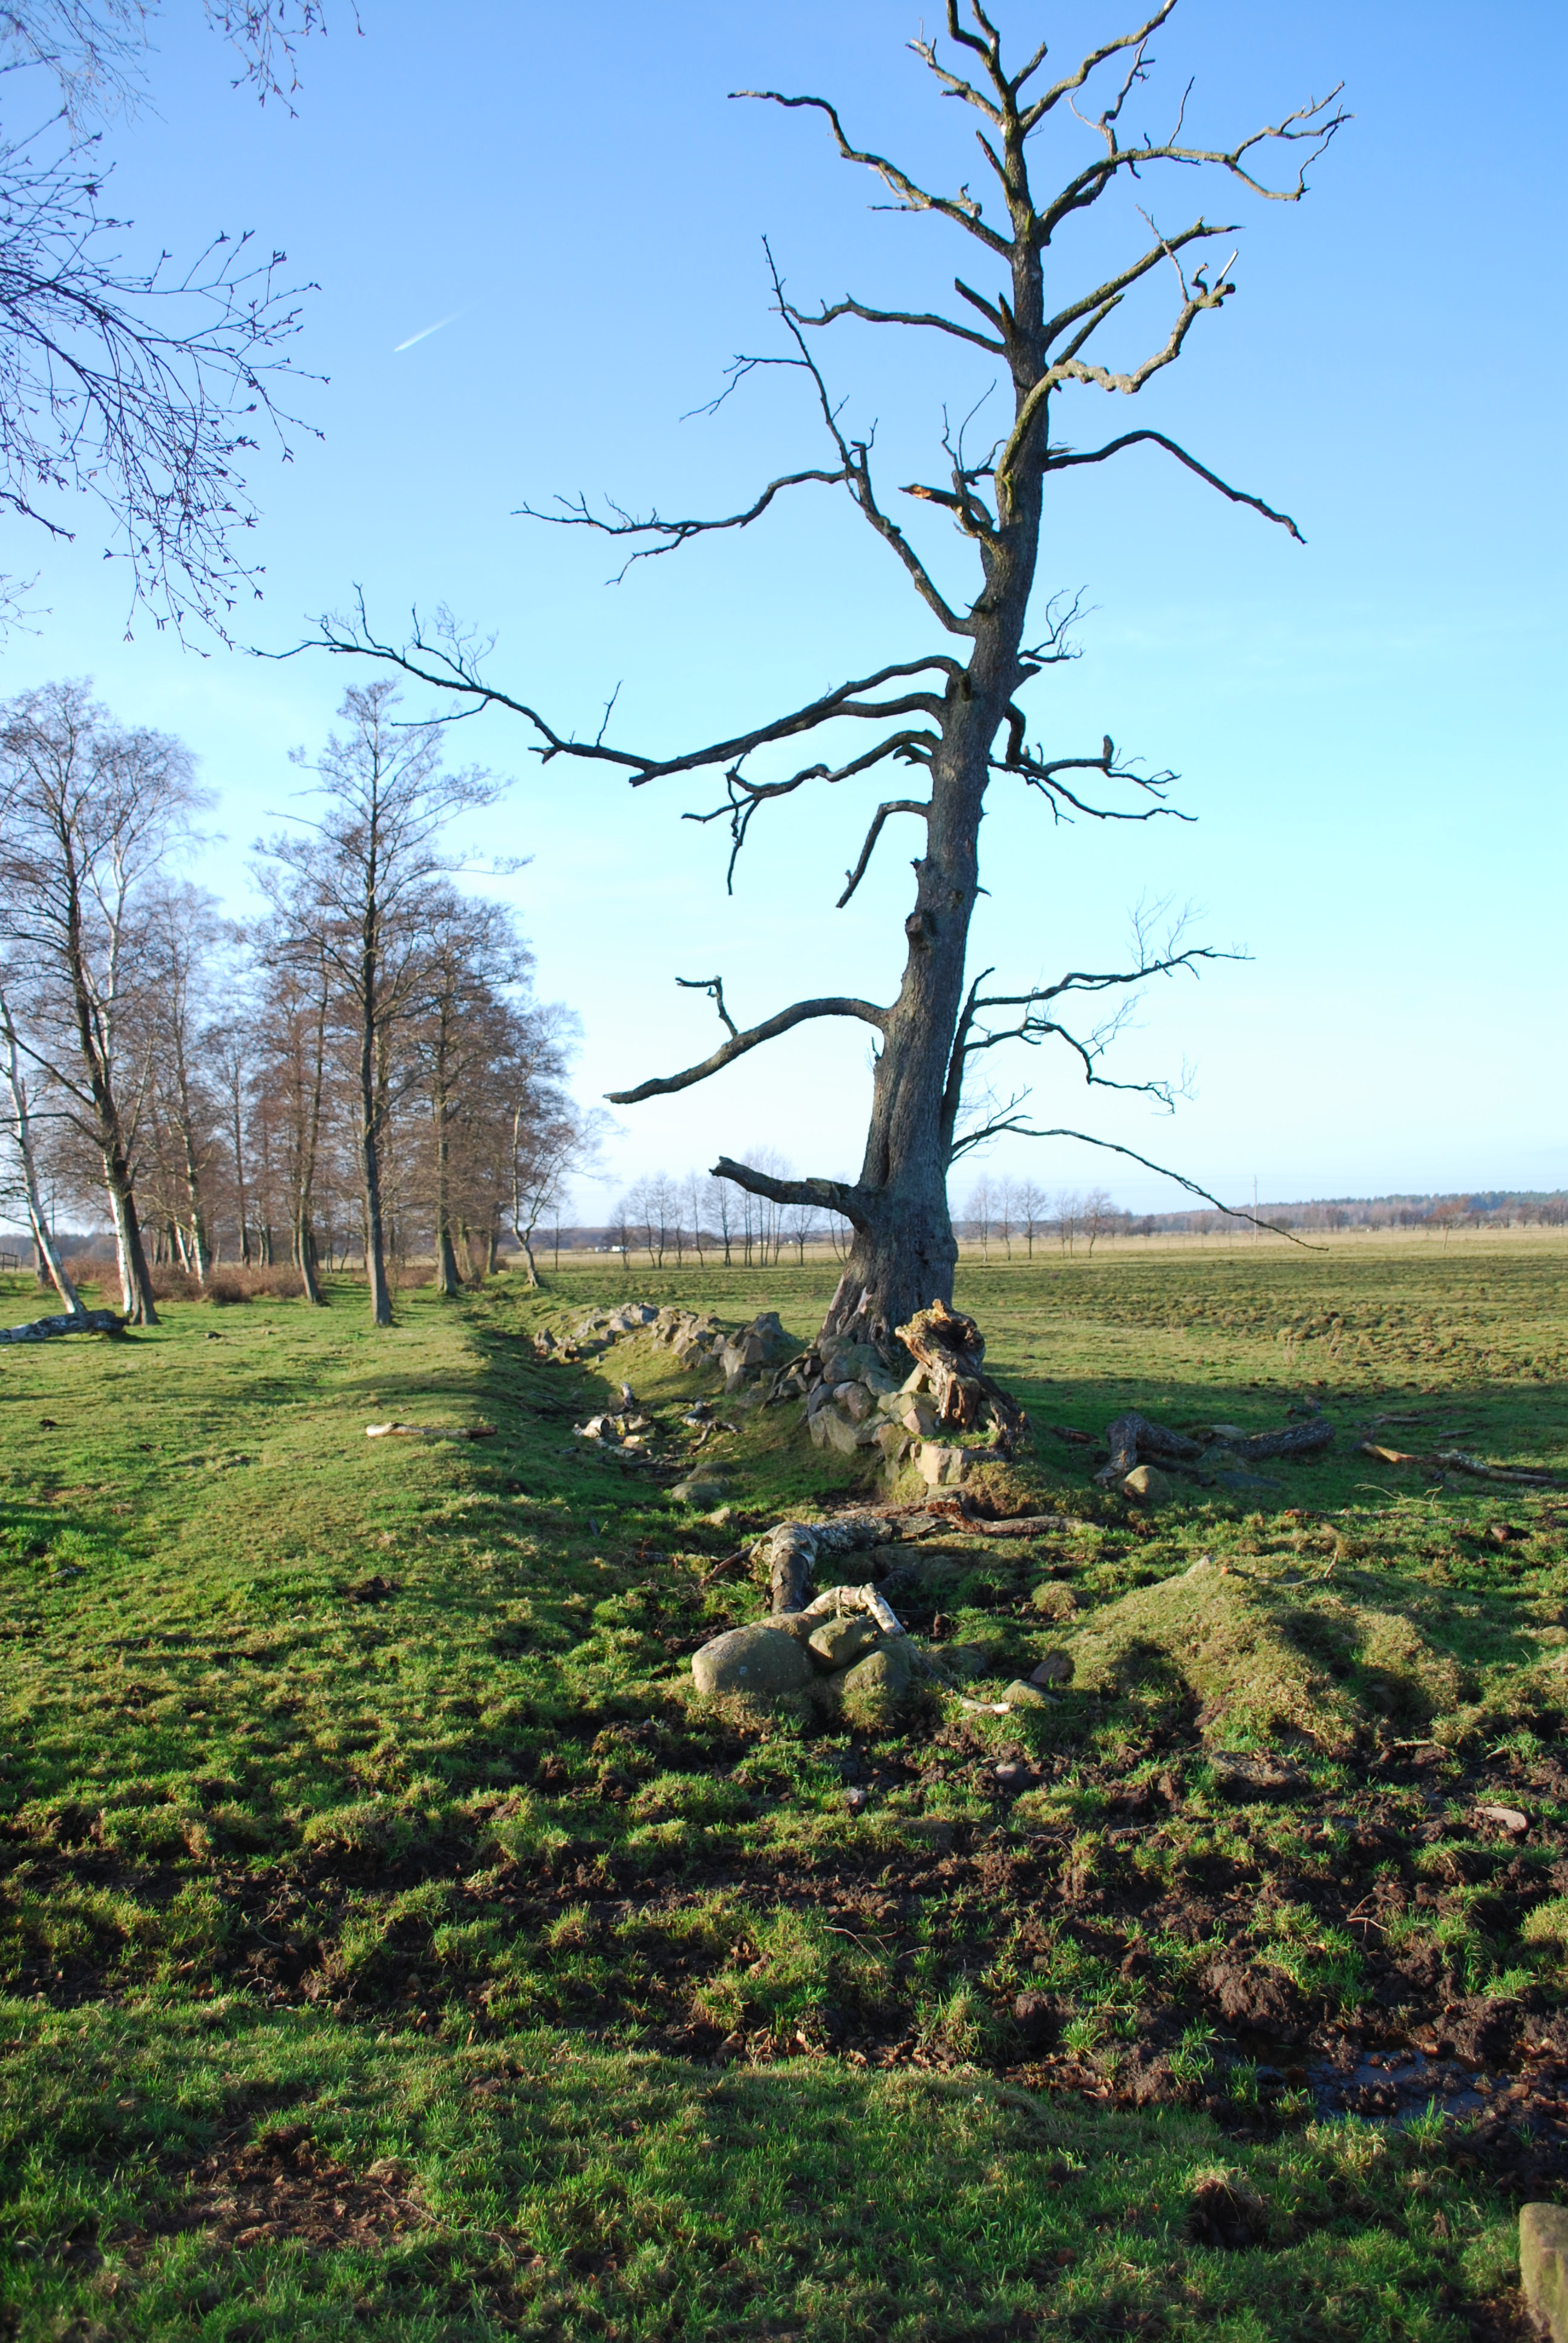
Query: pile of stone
{"type": "Point", "coordinates": [743, 1357]}
{"type": "Point", "coordinates": [853, 1401]}
{"type": "Point", "coordinates": [595, 1333]}
{"type": "Point", "coordinates": [844, 1655]}
{"type": "Point", "coordinates": [631, 1432]}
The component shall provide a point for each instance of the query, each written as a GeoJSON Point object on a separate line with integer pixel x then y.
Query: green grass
{"type": "Point", "coordinates": [358, 1785]}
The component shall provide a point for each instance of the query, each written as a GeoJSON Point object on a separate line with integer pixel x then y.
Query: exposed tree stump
{"type": "Point", "coordinates": [951, 1348]}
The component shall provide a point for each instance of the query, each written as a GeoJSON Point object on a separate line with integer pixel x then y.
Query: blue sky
{"type": "Point", "coordinates": [1362, 726]}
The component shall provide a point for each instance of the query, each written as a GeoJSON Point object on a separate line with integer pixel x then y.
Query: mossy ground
{"type": "Point", "coordinates": [353, 1795]}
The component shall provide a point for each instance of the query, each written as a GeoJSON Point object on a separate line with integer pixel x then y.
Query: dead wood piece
{"type": "Point", "coordinates": [428, 1432]}
{"type": "Point", "coordinates": [1134, 1440]}
{"type": "Point", "coordinates": [790, 1550]}
{"type": "Point", "coordinates": [1296, 1440]}
{"type": "Point", "coordinates": [950, 1347]}
{"type": "Point", "coordinates": [855, 1598]}
{"type": "Point", "coordinates": [1025, 1524]}
{"type": "Point", "coordinates": [1456, 1460]}
{"type": "Point", "coordinates": [72, 1322]}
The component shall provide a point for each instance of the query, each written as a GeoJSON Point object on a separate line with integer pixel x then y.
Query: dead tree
{"type": "Point", "coordinates": [953, 718]}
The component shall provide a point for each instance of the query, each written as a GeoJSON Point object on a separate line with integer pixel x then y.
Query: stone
{"type": "Point", "coordinates": [1255, 1773]}
{"type": "Point", "coordinates": [1543, 2267]}
{"type": "Point", "coordinates": [700, 1493]}
{"type": "Point", "coordinates": [942, 1468]}
{"type": "Point", "coordinates": [793, 1624]}
{"type": "Point", "coordinates": [1020, 1694]}
{"type": "Point", "coordinates": [920, 1418]}
{"type": "Point", "coordinates": [966, 1659]}
{"type": "Point", "coordinates": [850, 1362]}
{"type": "Point", "coordinates": [1146, 1486]}
{"type": "Point", "coordinates": [879, 1689]}
{"type": "Point", "coordinates": [760, 1663]}
{"type": "Point", "coordinates": [893, 1442]}
{"type": "Point", "coordinates": [856, 1801]}
{"type": "Point", "coordinates": [721, 1517]}
{"type": "Point", "coordinates": [830, 1428]}
{"type": "Point", "coordinates": [1056, 1668]}
{"type": "Point", "coordinates": [1053, 1601]}
{"type": "Point", "coordinates": [856, 1401]}
{"type": "Point", "coordinates": [839, 1643]}
{"type": "Point", "coordinates": [1505, 1818]}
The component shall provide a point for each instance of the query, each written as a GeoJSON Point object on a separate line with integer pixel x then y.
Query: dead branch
{"type": "Point", "coordinates": [1456, 1460]}
{"type": "Point", "coordinates": [833, 1195]}
{"type": "Point", "coordinates": [660, 1086]}
{"type": "Point", "coordinates": [895, 805]}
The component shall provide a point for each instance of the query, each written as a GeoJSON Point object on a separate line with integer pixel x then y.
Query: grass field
{"type": "Point", "coordinates": [389, 1943]}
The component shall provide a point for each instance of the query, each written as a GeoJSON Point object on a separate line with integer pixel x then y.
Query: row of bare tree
{"type": "Point", "coordinates": [701, 1217]}
{"type": "Point", "coordinates": [362, 1066]}
{"type": "Point", "coordinates": [1003, 1212]}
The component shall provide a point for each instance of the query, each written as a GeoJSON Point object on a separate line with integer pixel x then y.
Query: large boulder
{"type": "Point", "coordinates": [760, 1662]}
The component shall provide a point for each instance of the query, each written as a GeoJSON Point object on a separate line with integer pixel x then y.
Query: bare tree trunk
{"type": "Point", "coordinates": [369, 1149]}
{"type": "Point", "coordinates": [136, 1303]}
{"type": "Point", "coordinates": [448, 1281]}
{"type": "Point", "coordinates": [48, 1253]}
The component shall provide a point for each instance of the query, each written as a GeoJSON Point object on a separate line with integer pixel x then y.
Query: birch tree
{"type": "Point", "coordinates": [88, 810]}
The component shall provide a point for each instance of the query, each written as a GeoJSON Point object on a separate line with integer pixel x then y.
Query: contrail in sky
{"type": "Point", "coordinates": [425, 331]}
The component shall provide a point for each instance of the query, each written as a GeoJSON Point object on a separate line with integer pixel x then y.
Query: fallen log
{"type": "Point", "coordinates": [1133, 1440]}
{"type": "Point", "coordinates": [428, 1432]}
{"type": "Point", "coordinates": [790, 1550]}
{"type": "Point", "coordinates": [72, 1322]}
{"type": "Point", "coordinates": [1025, 1524]}
{"type": "Point", "coordinates": [1296, 1440]}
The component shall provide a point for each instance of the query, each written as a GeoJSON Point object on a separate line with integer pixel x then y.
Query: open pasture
{"type": "Point", "coordinates": [391, 1945]}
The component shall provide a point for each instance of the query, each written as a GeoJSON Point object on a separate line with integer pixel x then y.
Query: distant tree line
{"type": "Point", "coordinates": [1495, 1208]}
{"type": "Point", "coordinates": [697, 1217]}
{"type": "Point", "coordinates": [360, 1070]}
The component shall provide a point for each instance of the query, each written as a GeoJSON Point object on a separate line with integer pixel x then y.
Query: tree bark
{"type": "Point", "coordinates": [369, 1136]}
{"type": "Point", "coordinates": [138, 1305]}
{"type": "Point", "coordinates": [48, 1253]}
